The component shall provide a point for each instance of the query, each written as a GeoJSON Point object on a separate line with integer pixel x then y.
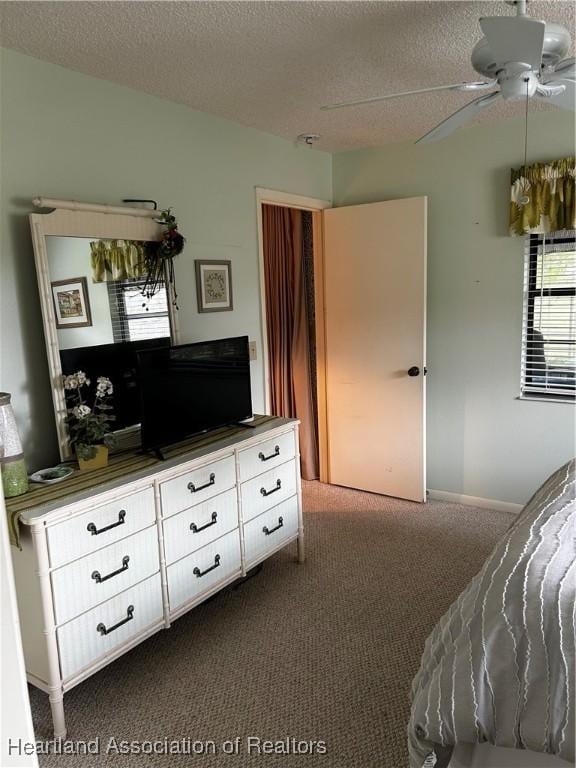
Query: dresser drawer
{"type": "Point", "coordinates": [268, 489]}
{"type": "Point", "coordinates": [195, 527]}
{"type": "Point", "coordinates": [109, 625]}
{"type": "Point", "coordinates": [200, 572]}
{"type": "Point", "coordinates": [81, 585]}
{"type": "Point", "coordinates": [200, 484]}
{"type": "Point", "coordinates": [268, 531]}
{"type": "Point", "coordinates": [266, 455]}
{"type": "Point", "coordinates": [101, 526]}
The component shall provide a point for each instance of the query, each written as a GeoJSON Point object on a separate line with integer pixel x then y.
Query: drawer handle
{"type": "Point", "coordinates": [193, 489]}
{"type": "Point", "coordinates": [94, 531]}
{"type": "Point", "coordinates": [277, 487]}
{"type": "Point", "coordinates": [268, 531]}
{"type": "Point", "coordinates": [99, 579]}
{"type": "Point", "coordinates": [196, 529]}
{"type": "Point", "coordinates": [198, 572]}
{"type": "Point", "coordinates": [271, 455]}
{"type": "Point", "coordinates": [104, 630]}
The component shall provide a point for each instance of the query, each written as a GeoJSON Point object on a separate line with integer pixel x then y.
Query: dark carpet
{"type": "Point", "coordinates": [320, 654]}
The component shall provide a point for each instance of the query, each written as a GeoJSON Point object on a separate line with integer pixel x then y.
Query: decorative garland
{"type": "Point", "coordinates": [159, 255]}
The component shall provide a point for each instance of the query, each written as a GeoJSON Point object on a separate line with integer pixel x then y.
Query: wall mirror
{"type": "Point", "coordinates": [96, 317]}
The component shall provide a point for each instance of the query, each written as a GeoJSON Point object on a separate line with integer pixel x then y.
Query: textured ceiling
{"type": "Point", "coordinates": [271, 65]}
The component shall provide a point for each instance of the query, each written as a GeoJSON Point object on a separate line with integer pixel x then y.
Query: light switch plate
{"type": "Point", "coordinates": [252, 348]}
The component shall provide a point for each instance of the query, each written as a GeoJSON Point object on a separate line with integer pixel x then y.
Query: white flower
{"type": "Point", "coordinates": [75, 380]}
{"type": "Point", "coordinates": [103, 386]}
{"type": "Point", "coordinates": [81, 411]}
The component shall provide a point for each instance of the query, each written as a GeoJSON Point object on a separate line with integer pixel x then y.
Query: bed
{"type": "Point", "coordinates": [498, 667]}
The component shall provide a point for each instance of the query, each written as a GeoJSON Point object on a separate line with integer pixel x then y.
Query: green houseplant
{"type": "Point", "coordinates": [89, 425]}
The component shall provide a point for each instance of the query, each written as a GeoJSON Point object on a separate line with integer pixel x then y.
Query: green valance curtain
{"type": "Point", "coordinates": [116, 260]}
{"type": "Point", "coordinates": [542, 198]}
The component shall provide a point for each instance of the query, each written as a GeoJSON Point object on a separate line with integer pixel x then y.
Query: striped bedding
{"type": "Point", "coordinates": [499, 665]}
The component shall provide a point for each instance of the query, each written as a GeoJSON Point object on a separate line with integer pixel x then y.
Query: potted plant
{"type": "Point", "coordinates": [159, 255]}
{"type": "Point", "coordinates": [89, 425]}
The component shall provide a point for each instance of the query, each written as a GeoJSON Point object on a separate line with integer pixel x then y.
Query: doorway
{"type": "Point", "coordinates": [369, 268]}
{"type": "Point", "coordinates": [291, 284]}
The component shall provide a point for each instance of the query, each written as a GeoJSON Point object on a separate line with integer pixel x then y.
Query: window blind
{"type": "Point", "coordinates": [548, 366]}
{"type": "Point", "coordinates": [135, 317]}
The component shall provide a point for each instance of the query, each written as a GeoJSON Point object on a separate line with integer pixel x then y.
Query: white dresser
{"type": "Point", "coordinates": [103, 567]}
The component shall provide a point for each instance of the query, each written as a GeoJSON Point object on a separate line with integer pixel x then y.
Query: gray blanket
{"type": "Point", "coordinates": [499, 665]}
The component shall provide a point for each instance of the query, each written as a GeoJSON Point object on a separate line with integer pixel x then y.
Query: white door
{"type": "Point", "coordinates": [375, 335]}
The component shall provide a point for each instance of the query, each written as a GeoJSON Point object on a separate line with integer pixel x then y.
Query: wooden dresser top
{"type": "Point", "coordinates": [127, 467]}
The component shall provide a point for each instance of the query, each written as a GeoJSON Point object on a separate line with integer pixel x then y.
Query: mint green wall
{"type": "Point", "coordinates": [66, 135]}
{"type": "Point", "coordinates": [482, 441]}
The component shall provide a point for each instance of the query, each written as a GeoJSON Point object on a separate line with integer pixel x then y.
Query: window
{"type": "Point", "coordinates": [549, 327]}
{"type": "Point", "coordinates": [134, 317]}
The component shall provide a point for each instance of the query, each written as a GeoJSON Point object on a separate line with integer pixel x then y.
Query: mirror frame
{"type": "Point", "coordinates": [83, 220]}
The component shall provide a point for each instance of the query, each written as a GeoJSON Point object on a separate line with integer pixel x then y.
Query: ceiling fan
{"type": "Point", "coordinates": [521, 56]}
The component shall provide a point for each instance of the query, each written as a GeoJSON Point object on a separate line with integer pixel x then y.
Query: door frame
{"type": "Point", "coordinates": [316, 206]}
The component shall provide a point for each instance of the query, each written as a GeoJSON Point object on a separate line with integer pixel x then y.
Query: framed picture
{"type": "Point", "coordinates": [71, 303]}
{"type": "Point", "coordinates": [213, 285]}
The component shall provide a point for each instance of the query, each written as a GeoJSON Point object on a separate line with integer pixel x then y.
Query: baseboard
{"type": "Point", "coordinates": [475, 501]}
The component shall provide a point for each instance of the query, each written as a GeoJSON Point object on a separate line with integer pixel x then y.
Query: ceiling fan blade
{"type": "Point", "coordinates": [474, 86]}
{"type": "Point", "coordinates": [564, 100]}
{"type": "Point", "coordinates": [459, 118]}
{"type": "Point", "coordinates": [566, 68]}
{"type": "Point", "coordinates": [566, 64]}
{"type": "Point", "coordinates": [515, 38]}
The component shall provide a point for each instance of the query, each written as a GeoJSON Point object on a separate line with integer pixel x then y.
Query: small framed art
{"type": "Point", "coordinates": [214, 285]}
{"type": "Point", "coordinates": [71, 303]}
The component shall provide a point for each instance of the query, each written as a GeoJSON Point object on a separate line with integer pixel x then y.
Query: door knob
{"type": "Point", "coordinates": [414, 371]}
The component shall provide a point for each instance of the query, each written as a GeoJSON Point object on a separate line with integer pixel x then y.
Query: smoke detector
{"type": "Point", "coordinates": [308, 138]}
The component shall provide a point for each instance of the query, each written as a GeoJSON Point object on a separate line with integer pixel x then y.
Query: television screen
{"type": "Point", "coordinates": [193, 387]}
{"type": "Point", "coordinates": [117, 362]}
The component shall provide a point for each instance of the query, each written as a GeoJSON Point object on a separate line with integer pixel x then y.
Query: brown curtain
{"type": "Point", "coordinates": [288, 322]}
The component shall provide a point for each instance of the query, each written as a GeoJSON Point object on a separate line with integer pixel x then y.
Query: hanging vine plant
{"type": "Point", "coordinates": [159, 257]}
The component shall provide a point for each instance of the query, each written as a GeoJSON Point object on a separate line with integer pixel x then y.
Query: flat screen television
{"type": "Point", "coordinates": [119, 363]}
{"type": "Point", "coordinates": [191, 388]}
